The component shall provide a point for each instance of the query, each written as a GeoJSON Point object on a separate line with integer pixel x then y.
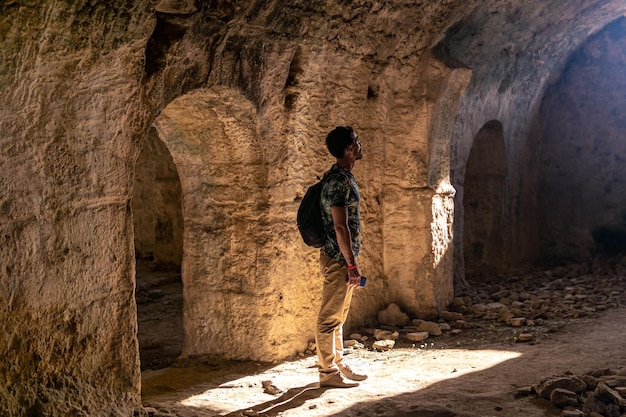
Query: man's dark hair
{"type": "Point", "coordinates": [338, 140]}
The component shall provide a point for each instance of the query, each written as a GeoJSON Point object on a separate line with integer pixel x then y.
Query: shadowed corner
{"type": "Point", "coordinates": [292, 398]}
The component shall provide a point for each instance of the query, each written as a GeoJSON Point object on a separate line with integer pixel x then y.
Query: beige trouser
{"type": "Point", "coordinates": [336, 297]}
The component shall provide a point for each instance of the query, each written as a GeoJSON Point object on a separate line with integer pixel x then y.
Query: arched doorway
{"type": "Point", "coordinates": [212, 135]}
{"type": "Point", "coordinates": [483, 202]}
{"type": "Point", "coordinates": [158, 228]}
{"type": "Point", "coordinates": [582, 175]}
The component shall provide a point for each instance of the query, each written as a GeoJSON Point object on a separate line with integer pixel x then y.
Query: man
{"type": "Point", "coordinates": [340, 202]}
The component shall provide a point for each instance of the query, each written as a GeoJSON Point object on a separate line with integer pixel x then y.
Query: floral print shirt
{"type": "Point", "coordinates": [340, 190]}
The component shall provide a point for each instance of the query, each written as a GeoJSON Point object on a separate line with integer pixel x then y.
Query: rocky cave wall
{"type": "Point", "coordinates": [242, 95]}
{"type": "Point", "coordinates": [70, 123]}
{"type": "Point", "coordinates": [514, 51]}
{"type": "Point", "coordinates": [240, 244]}
{"type": "Point", "coordinates": [582, 176]}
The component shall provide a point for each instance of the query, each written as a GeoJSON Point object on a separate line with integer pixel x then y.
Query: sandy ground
{"type": "Point", "coordinates": [475, 373]}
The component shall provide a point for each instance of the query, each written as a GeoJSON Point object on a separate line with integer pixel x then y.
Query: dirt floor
{"type": "Point", "coordinates": [477, 372]}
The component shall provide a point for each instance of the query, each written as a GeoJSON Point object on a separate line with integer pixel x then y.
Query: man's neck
{"type": "Point", "coordinates": [346, 163]}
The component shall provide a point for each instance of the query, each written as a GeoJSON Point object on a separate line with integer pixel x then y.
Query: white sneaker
{"type": "Point", "coordinates": [350, 374]}
{"type": "Point", "coordinates": [335, 381]}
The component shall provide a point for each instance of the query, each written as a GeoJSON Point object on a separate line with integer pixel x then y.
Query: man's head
{"type": "Point", "coordinates": [342, 140]}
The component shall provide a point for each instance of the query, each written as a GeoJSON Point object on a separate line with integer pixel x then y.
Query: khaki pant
{"type": "Point", "coordinates": [336, 297]}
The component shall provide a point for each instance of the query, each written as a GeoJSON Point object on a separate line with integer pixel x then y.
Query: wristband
{"type": "Point", "coordinates": [355, 266]}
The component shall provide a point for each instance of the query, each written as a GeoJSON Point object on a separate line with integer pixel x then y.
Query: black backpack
{"type": "Point", "coordinates": [309, 216]}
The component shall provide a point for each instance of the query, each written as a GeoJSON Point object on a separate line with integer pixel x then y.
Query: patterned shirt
{"type": "Point", "coordinates": [340, 190]}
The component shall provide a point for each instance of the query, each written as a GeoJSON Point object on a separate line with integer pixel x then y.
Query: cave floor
{"type": "Point", "coordinates": [478, 372]}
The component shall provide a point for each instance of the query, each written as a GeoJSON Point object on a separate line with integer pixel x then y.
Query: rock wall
{"type": "Point", "coordinates": [515, 50]}
{"type": "Point", "coordinates": [71, 120]}
{"type": "Point", "coordinates": [242, 95]}
{"type": "Point", "coordinates": [280, 98]}
{"type": "Point", "coordinates": [582, 177]}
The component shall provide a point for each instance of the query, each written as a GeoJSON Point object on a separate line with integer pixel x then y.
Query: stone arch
{"type": "Point", "coordinates": [158, 236]}
{"type": "Point", "coordinates": [212, 136]}
{"type": "Point", "coordinates": [512, 92]}
{"type": "Point", "coordinates": [581, 174]}
{"type": "Point", "coordinates": [484, 184]}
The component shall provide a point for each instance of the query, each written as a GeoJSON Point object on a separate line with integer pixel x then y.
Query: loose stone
{"type": "Point", "coordinates": [417, 337]}
{"type": "Point", "coordinates": [450, 316]}
{"type": "Point", "coordinates": [524, 391]}
{"type": "Point", "coordinates": [380, 334]}
{"type": "Point", "coordinates": [393, 316]}
{"type": "Point", "coordinates": [572, 413]}
{"type": "Point", "coordinates": [383, 345]}
{"type": "Point", "coordinates": [562, 398]}
{"type": "Point", "coordinates": [270, 388]}
{"type": "Point", "coordinates": [570, 383]}
{"type": "Point", "coordinates": [444, 327]}
{"type": "Point", "coordinates": [353, 344]}
{"type": "Point", "coordinates": [431, 328]}
{"type": "Point", "coordinates": [518, 321]}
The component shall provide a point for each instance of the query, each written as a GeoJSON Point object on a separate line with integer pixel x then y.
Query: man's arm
{"type": "Point", "coordinates": [344, 240]}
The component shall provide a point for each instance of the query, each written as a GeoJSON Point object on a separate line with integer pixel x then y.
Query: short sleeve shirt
{"type": "Point", "coordinates": [340, 190]}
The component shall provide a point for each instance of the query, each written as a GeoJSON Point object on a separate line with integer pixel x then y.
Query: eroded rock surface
{"type": "Point", "coordinates": [242, 94]}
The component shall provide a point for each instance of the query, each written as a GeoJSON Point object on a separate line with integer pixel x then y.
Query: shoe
{"type": "Point", "coordinates": [336, 381]}
{"type": "Point", "coordinates": [350, 374]}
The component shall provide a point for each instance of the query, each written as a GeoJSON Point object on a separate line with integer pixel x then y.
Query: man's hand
{"type": "Point", "coordinates": [354, 277]}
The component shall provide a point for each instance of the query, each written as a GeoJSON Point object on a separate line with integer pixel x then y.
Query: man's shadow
{"type": "Point", "coordinates": [292, 398]}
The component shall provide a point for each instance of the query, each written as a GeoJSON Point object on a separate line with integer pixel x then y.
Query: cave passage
{"type": "Point", "coordinates": [157, 217]}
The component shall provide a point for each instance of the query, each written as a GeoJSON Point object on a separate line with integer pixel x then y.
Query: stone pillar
{"type": "Point", "coordinates": [419, 209]}
{"type": "Point", "coordinates": [70, 124]}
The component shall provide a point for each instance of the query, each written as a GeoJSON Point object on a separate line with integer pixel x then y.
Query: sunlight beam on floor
{"type": "Point", "coordinates": [389, 376]}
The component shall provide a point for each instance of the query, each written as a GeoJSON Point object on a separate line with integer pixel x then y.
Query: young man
{"type": "Point", "coordinates": [340, 202]}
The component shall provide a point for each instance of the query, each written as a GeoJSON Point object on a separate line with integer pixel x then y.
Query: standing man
{"type": "Point", "coordinates": [340, 202]}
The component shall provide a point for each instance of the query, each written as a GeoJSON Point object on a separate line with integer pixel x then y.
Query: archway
{"type": "Point", "coordinates": [582, 176]}
{"type": "Point", "coordinates": [158, 232]}
{"type": "Point", "coordinates": [202, 170]}
{"type": "Point", "coordinates": [483, 202]}
{"type": "Point", "coordinates": [226, 267]}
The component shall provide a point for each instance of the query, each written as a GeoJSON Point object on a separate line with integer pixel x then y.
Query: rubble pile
{"type": "Point", "coordinates": [531, 304]}
{"type": "Point", "coordinates": [599, 393]}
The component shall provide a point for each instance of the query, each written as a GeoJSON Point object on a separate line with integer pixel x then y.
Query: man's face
{"type": "Point", "coordinates": [356, 147]}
